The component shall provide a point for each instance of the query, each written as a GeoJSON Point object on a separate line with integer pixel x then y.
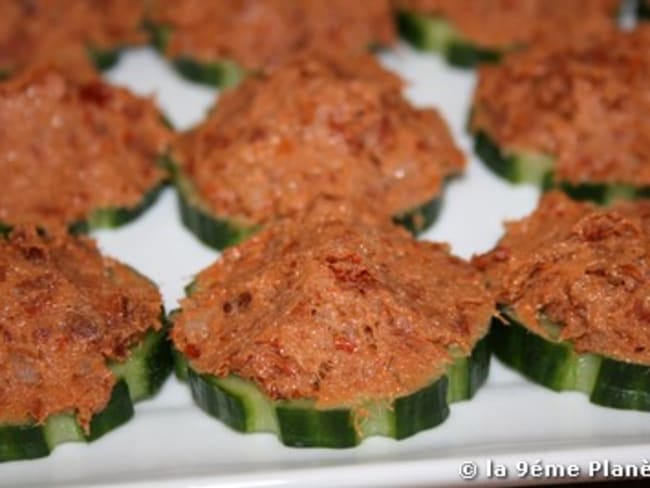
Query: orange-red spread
{"type": "Point", "coordinates": [329, 126]}
{"type": "Point", "coordinates": [64, 311]}
{"type": "Point", "coordinates": [500, 24]}
{"type": "Point", "coordinates": [257, 33]}
{"type": "Point", "coordinates": [587, 105]}
{"type": "Point", "coordinates": [584, 268]}
{"type": "Point", "coordinates": [67, 149]}
{"type": "Point", "coordinates": [57, 32]}
{"type": "Point", "coordinates": [333, 308]}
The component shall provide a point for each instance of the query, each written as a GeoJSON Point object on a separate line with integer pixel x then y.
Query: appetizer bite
{"type": "Point", "coordinates": [316, 126]}
{"type": "Point", "coordinates": [328, 328]}
{"type": "Point", "coordinates": [573, 283]}
{"type": "Point", "coordinates": [217, 42]}
{"type": "Point", "coordinates": [82, 339]}
{"type": "Point", "coordinates": [77, 154]}
{"type": "Point", "coordinates": [574, 117]}
{"type": "Point", "coordinates": [66, 34]}
{"type": "Point", "coordinates": [470, 32]}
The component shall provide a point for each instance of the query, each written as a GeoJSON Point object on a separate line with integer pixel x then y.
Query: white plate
{"type": "Point", "coordinates": [170, 442]}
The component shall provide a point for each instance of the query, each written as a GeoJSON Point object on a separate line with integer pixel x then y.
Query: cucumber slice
{"type": "Point", "coordinates": [608, 382]}
{"type": "Point", "coordinates": [110, 218]}
{"type": "Point", "coordinates": [240, 404]}
{"type": "Point", "coordinates": [219, 233]}
{"type": "Point", "coordinates": [538, 169]}
{"type": "Point", "coordinates": [139, 377]}
{"type": "Point", "coordinates": [434, 33]}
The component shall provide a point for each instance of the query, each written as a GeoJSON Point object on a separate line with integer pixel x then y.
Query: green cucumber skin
{"type": "Point", "coordinates": [214, 232]}
{"type": "Point", "coordinates": [140, 377]}
{"type": "Point", "coordinates": [149, 365]}
{"type": "Point", "coordinates": [159, 35]}
{"type": "Point", "coordinates": [421, 410]}
{"type": "Point", "coordinates": [622, 385]}
{"type": "Point", "coordinates": [30, 442]}
{"type": "Point", "coordinates": [106, 218]}
{"type": "Point", "coordinates": [418, 31]}
{"type": "Point", "coordinates": [217, 401]}
{"type": "Point", "coordinates": [220, 233]}
{"type": "Point", "coordinates": [5, 229]}
{"type": "Point", "coordinates": [220, 74]}
{"type": "Point", "coordinates": [298, 424]}
{"type": "Point", "coordinates": [610, 383]}
{"type": "Point", "coordinates": [104, 59]}
{"type": "Point", "coordinates": [110, 218]}
{"type": "Point", "coordinates": [421, 218]}
{"type": "Point", "coordinates": [22, 442]}
{"type": "Point", "coordinates": [514, 169]}
{"type": "Point", "coordinates": [643, 10]}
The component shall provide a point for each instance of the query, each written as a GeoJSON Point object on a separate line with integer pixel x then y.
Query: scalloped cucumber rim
{"type": "Point", "coordinates": [223, 73]}
{"type": "Point", "coordinates": [219, 232]}
{"type": "Point", "coordinates": [242, 405]}
{"type": "Point", "coordinates": [139, 377]}
{"type": "Point", "coordinates": [608, 382]}
{"type": "Point", "coordinates": [520, 167]}
{"type": "Point", "coordinates": [434, 33]}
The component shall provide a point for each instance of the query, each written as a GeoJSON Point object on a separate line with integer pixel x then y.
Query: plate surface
{"type": "Point", "coordinates": [172, 443]}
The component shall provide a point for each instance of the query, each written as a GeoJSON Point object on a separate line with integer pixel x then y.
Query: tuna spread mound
{"type": "Point", "coordinates": [504, 24]}
{"type": "Point", "coordinates": [257, 33]}
{"type": "Point", "coordinates": [333, 309]}
{"type": "Point", "coordinates": [64, 311]}
{"type": "Point", "coordinates": [59, 31]}
{"type": "Point", "coordinates": [586, 105]}
{"type": "Point", "coordinates": [583, 268]}
{"type": "Point", "coordinates": [67, 149]}
{"type": "Point", "coordinates": [313, 127]}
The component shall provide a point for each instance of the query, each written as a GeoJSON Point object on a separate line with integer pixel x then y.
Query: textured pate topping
{"type": "Point", "coordinates": [584, 268]}
{"type": "Point", "coordinates": [502, 24]}
{"type": "Point", "coordinates": [67, 149]}
{"type": "Point", "coordinates": [328, 126]}
{"type": "Point", "coordinates": [57, 32]}
{"type": "Point", "coordinates": [586, 105]}
{"type": "Point", "coordinates": [256, 33]}
{"type": "Point", "coordinates": [64, 311]}
{"type": "Point", "coordinates": [333, 309]}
